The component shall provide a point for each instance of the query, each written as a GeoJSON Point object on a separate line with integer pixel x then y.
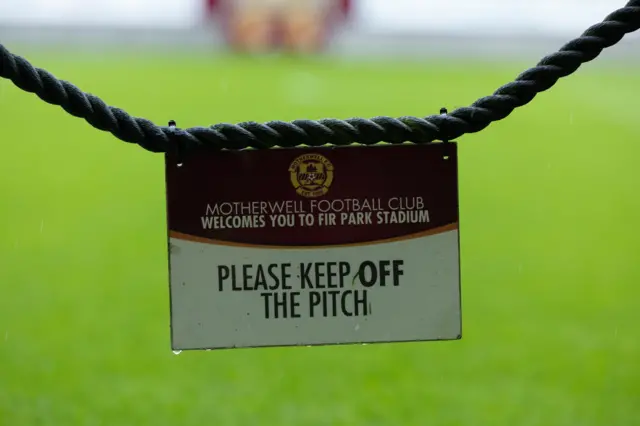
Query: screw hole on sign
{"type": "Point", "coordinates": [445, 157]}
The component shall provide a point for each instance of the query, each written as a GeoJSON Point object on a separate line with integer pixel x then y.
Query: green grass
{"type": "Point", "coordinates": [550, 256]}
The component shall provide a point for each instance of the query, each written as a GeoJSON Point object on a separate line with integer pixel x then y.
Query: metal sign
{"type": "Point", "coordinates": [315, 246]}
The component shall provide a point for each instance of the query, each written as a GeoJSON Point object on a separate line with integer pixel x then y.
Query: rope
{"type": "Point", "coordinates": [443, 127]}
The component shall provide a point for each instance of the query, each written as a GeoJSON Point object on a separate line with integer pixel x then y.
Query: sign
{"type": "Point", "coordinates": [317, 246]}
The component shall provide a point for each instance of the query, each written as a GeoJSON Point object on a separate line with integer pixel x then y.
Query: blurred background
{"type": "Point", "coordinates": [548, 199]}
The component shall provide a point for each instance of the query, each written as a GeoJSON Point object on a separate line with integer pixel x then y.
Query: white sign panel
{"type": "Point", "coordinates": [314, 246]}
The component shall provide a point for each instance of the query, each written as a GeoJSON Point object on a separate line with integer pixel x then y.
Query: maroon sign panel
{"type": "Point", "coordinates": [313, 196]}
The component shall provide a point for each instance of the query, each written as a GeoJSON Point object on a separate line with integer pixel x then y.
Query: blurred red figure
{"type": "Point", "coordinates": [261, 25]}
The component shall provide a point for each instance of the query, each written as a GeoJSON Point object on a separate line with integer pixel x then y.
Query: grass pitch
{"type": "Point", "coordinates": [550, 255]}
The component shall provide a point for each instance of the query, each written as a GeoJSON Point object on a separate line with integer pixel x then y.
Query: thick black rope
{"type": "Point", "coordinates": [449, 126]}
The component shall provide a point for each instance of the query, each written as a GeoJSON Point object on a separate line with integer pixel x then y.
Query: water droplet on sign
{"type": "Point", "coordinates": [177, 352]}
